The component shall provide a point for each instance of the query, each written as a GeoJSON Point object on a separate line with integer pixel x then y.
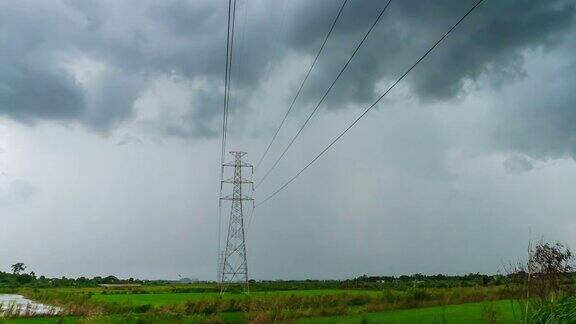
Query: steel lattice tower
{"type": "Point", "coordinates": [234, 266]}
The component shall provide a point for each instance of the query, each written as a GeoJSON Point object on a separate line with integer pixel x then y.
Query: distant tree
{"type": "Point", "coordinates": [18, 267]}
{"type": "Point", "coordinates": [110, 280]}
{"type": "Point", "coordinates": [24, 278]}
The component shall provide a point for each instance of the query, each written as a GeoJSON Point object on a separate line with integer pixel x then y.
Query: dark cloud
{"type": "Point", "coordinates": [414, 176]}
{"type": "Point", "coordinates": [32, 86]}
{"type": "Point", "coordinates": [41, 42]}
{"type": "Point", "coordinates": [29, 94]}
{"type": "Point", "coordinates": [138, 43]}
{"type": "Point", "coordinates": [490, 43]}
{"type": "Point", "coordinates": [539, 120]}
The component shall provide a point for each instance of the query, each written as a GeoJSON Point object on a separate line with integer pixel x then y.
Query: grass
{"type": "Point", "coordinates": [192, 305]}
{"type": "Point", "coordinates": [504, 311]}
{"type": "Point", "coordinates": [177, 298]}
{"type": "Point", "coordinates": [122, 319]}
{"type": "Point", "coordinates": [44, 320]}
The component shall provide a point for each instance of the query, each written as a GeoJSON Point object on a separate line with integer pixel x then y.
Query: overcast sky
{"type": "Point", "coordinates": [110, 118]}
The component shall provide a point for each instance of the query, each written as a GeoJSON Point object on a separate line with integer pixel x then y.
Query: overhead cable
{"type": "Point", "coordinates": [337, 138]}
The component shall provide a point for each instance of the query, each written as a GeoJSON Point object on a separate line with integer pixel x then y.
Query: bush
{"type": "Point", "coordinates": [417, 295]}
{"type": "Point", "coordinates": [142, 308]}
{"type": "Point", "coordinates": [389, 296]}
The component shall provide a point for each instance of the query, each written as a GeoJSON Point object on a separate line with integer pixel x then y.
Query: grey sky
{"type": "Point", "coordinates": [110, 135]}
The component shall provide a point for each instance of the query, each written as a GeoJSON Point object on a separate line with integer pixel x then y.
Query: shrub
{"type": "Point", "coordinates": [417, 295]}
{"type": "Point", "coordinates": [142, 308]}
{"type": "Point", "coordinates": [389, 296]}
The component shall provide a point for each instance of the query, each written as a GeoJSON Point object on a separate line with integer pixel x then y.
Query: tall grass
{"type": "Point", "coordinates": [559, 312]}
{"type": "Point", "coordinates": [284, 307]}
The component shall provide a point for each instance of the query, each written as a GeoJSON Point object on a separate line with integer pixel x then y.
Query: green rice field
{"type": "Point", "coordinates": [173, 298]}
{"type": "Point", "coordinates": [504, 311]}
{"type": "Point", "coordinates": [195, 304]}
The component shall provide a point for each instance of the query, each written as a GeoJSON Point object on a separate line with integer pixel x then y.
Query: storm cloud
{"type": "Point", "coordinates": [111, 117]}
{"type": "Point", "coordinates": [91, 62]}
{"type": "Point", "coordinates": [491, 43]}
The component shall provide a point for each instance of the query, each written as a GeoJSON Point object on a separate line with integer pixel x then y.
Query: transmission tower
{"type": "Point", "coordinates": [233, 268]}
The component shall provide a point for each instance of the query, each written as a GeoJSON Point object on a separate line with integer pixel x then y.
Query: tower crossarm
{"type": "Point", "coordinates": [231, 197]}
{"type": "Point", "coordinates": [231, 180]}
{"type": "Point", "coordinates": [238, 164]}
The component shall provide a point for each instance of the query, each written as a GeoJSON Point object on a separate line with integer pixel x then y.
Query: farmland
{"type": "Point", "coordinates": [504, 311]}
{"type": "Point", "coordinates": [472, 298]}
{"type": "Point", "coordinates": [300, 304]}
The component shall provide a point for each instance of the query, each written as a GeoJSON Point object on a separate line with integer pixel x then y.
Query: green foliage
{"type": "Point", "coordinates": [417, 295]}
{"type": "Point", "coordinates": [376, 283]}
{"type": "Point", "coordinates": [19, 279]}
{"type": "Point", "coordinates": [562, 311]}
{"type": "Point", "coordinates": [424, 281]}
{"type": "Point", "coordinates": [505, 312]}
{"type": "Point", "coordinates": [490, 314]}
{"type": "Point", "coordinates": [269, 301]}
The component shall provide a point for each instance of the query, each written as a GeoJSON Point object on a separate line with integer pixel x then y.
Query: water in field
{"type": "Point", "coordinates": [18, 305]}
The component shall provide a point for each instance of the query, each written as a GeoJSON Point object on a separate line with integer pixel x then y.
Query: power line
{"type": "Point", "coordinates": [230, 58]}
{"type": "Point", "coordinates": [240, 47]}
{"type": "Point", "coordinates": [224, 126]}
{"type": "Point", "coordinates": [326, 93]}
{"type": "Point", "coordinates": [227, 73]}
{"type": "Point", "coordinates": [250, 218]}
{"type": "Point", "coordinates": [371, 106]}
{"type": "Point", "coordinates": [303, 81]}
{"type": "Point", "coordinates": [225, 111]}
